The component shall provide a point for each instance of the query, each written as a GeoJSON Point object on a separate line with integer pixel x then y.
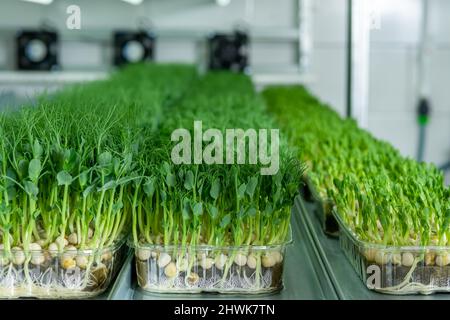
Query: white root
{"type": "Point", "coordinates": [4, 260]}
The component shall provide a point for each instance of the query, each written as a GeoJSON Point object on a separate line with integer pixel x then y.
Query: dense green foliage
{"type": "Point", "coordinates": [68, 164]}
{"type": "Point", "coordinates": [86, 162]}
{"type": "Point", "coordinates": [383, 197]}
{"type": "Point", "coordinates": [220, 204]}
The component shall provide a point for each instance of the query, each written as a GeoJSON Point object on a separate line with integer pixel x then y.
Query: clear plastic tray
{"type": "Point", "coordinates": [397, 270]}
{"type": "Point", "coordinates": [68, 274]}
{"type": "Point", "coordinates": [324, 212]}
{"type": "Point", "coordinates": [244, 269]}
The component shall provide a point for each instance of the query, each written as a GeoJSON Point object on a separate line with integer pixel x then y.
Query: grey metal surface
{"type": "Point", "coordinates": [305, 276]}
{"type": "Point", "coordinates": [343, 277]}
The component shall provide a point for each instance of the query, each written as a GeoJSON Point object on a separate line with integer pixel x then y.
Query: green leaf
{"type": "Point", "coordinates": [189, 180]}
{"type": "Point", "coordinates": [197, 210]}
{"type": "Point", "coordinates": [116, 166]}
{"type": "Point", "coordinates": [107, 186]}
{"type": "Point", "coordinates": [251, 212]}
{"type": "Point", "coordinates": [215, 189]}
{"type": "Point", "coordinates": [225, 221]}
{"type": "Point", "coordinates": [241, 213]}
{"type": "Point", "coordinates": [87, 191]}
{"type": "Point", "coordinates": [105, 159]}
{"type": "Point", "coordinates": [186, 210]}
{"type": "Point", "coordinates": [166, 167]}
{"type": "Point", "coordinates": [12, 192]}
{"type": "Point", "coordinates": [251, 186]}
{"type": "Point", "coordinates": [268, 210]}
{"type": "Point", "coordinates": [117, 206]}
{"type": "Point", "coordinates": [23, 168]}
{"type": "Point", "coordinates": [213, 212]}
{"type": "Point", "coordinates": [37, 149]}
{"type": "Point", "coordinates": [34, 170]}
{"type": "Point", "coordinates": [83, 178]}
{"type": "Point", "coordinates": [149, 187]}
{"type": "Point", "coordinates": [241, 191]}
{"type": "Point", "coordinates": [64, 178]}
{"type": "Point", "coordinates": [31, 189]}
{"type": "Point", "coordinates": [170, 180]}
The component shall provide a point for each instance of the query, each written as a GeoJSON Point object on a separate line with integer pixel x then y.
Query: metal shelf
{"type": "Point", "coordinates": [304, 275]}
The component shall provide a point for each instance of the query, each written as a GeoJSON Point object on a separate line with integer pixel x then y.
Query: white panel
{"type": "Point", "coordinates": [329, 20]}
{"type": "Point", "coordinates": [391, 80]}
{"type": "Point", "coordinates": [438, 138]}
{"type": "Point", "coordinates": [79, 54]}
{"type": "Point", "coordinates": [440, 80]}
{"type": "Point", "coordinates": [176, 51]}
{"type": "Point", "coordinates": [399, 128]}
{"type": "Point", "coordinates": [268, 14]}
{"type": "Point", "coordinates": [440, 20]}
{"type": "Point", "coordinates": [268, 53]}
{"type": "Point", "coordinates": [328, 66]}
{"type": "Point", "coordinates": [399, 21]}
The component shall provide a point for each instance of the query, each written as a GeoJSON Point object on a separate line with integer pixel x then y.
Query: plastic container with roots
{"type": "Point", "coordinates": [397, 270]}
{"type": "Point", "coordinates": [68, 274]}
{"type": "Point", "coordinates": [195, 269]}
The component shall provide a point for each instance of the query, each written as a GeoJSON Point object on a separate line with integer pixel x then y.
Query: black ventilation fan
{"type": "Point", "coordinates": [228, 52]}
{"type": "Point", "coordinates": [37, 50]}
{"type": "Point", "coordinates": [133, 47]}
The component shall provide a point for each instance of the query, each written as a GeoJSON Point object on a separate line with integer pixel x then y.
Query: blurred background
{"type": "Point", "coordinates": [385, 63]}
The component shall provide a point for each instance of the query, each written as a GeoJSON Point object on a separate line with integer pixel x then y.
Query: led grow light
{"type": "Point", "coordinates": [40, 1]}
{"type": "Point", "coordinates": [134, 2]}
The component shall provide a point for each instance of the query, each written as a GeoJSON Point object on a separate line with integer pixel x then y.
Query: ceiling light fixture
{"type": "Point", "coordinates": [134, 2]}
{"type": "Point", "coordinates": [223, 3]}
{"type": "Point", "coordinates": [40, 1]}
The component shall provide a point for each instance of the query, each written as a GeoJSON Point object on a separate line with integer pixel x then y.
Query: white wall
{"type": "Point", "coordinates": [393, 72]}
